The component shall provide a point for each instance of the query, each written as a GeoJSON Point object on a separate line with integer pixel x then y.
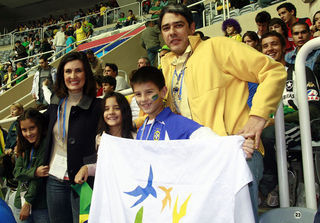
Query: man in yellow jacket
{"type": "Point", "coordinates": [208, 82]}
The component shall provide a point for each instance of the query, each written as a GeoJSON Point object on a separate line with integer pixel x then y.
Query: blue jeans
{"type": "Point", "coordinates": [152, 54]}
{"type": "Point", "coordinates": [63, 203]}
{"type": "Point", "coordinates": [256, 166]}
{"type": "Point", "coordinates": [37, 216]}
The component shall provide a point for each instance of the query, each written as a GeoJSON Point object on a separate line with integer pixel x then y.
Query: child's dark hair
{"type": "Point", "coordinates": [38, 119]}
{"type": "Point", "coordinates": [127, 124]}
{"type": "Point", "coordinates": [110, 80]}
{"type": "Point", "coordinates": [148, 74]}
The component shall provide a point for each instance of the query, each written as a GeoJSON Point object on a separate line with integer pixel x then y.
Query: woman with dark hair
{"type": "Point", "coordinates": [232, 29]}
{"type": "Point", "coordinates": [279, 26]}
{"type": "Point", "coordinates": [73, 119]}
{"type": "Point", "coordinates": [252, 39]}
{"type": "Point", "coordinates": [116, 120]}
{"type": "Point", "coordinates": [316, 24]}
{"type": "Point", "coordinates": [30, 200]}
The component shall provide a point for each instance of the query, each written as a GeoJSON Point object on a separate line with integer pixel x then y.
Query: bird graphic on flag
{"type": "Point", "coordinates": [167, 199]}
{"type": "Point", "coordinates": [144, 192]}
{"type": "Point", "coordinates": [183, 210]}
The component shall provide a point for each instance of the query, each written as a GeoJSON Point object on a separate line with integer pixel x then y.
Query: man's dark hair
{"type": "Point", "coordinates": [176, 9]}
{"type": "Point", "coordinates": [18, 41]}
{"type": "Point", "coordinates": [44, 57]}
{"type": "Point", "coordinates": [113, 67]}
{"type": "Point", "coordinates": [110, 80]}
{"type": "Point", "coordinates": [263, 17]}
{"type": "Point", "coordinates": [280, 22]}
{"type": "Point", "coordinates": [276, 34]}
{"type": "Point", "coordinates": [89, 52]}
{"type": "Point", "coordinates": [301, 23]}
{"type": "Point", "coordinates": [148, 74]}
{"type": "Point", "coordinates": [289, 7]}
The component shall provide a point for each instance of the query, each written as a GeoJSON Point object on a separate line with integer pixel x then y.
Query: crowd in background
{"type": "Point", "coordinates": [280, 38]}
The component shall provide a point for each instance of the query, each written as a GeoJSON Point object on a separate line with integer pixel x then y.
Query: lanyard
{"type": "Point", "coordinates": [144, 127]}
{"type": "Point", "coordinates": [31, 158]}
{"type": "Point", "coordinates": [174, 89]}
{"type": "Point", "coordinates": [180, 76]}
{"type": "Point", "coordinates": [64, 118]}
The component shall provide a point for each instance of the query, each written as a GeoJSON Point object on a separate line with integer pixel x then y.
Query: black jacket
{"type": "Point", "coordinates": [82, 130]}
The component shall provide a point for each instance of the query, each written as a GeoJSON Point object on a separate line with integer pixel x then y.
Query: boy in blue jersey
{"type": "Point", "coordinates": [149, 88]}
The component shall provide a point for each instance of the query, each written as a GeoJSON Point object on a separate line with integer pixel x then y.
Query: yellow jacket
{"type": "Point", "coordinates": [216, 78]}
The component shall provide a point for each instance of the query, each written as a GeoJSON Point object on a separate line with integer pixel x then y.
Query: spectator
{"type": "Point", "coordinates": [36, 45]}
{"type": "Point", "coordinates": [146, 5]}
{"type": "Point", "coordinates": [71, 137]}
{"type": "Point", "coordinates": [9, 76]}
{"type": "Point", "coordinates": [44, 73]}
{"type": "Point", "coordinates": [143, 62]}
{"type": "Point", "coordinates": [30, 200]}
{"type": "Point", "coordinates": [131, 18]}
{"type": "Point", "coordinates": [273, 44]}
{"type": "Point", "coordinates": [112, 70]}
{"type": "Point", "coordinates": [16, 110]}
{"type": "Point", "coordinates": [121, 20]}
{"type": "Point", "coordinates": [252, 39]}
{"type": "Point", "coordinates": [279, 26]}
{"type": "Point", "coordinates": [155, 10]}
{"type": "Point", "coordinates": [288, 12]}
{"type": "Point", "coordinates": [70, 40]}
{"type": "Point", "coordinates": [232, 29]}
{"type": "Point", "coordinates": [45, 47]}
{"type": "Point", "coordinates": [26, 43]}
{"type": "Point", "coordinates": [150, 40]}
{"type": "Point", "coordinates": [301, 34]}
{"type": "Point", "coordinates": [196, 12]}
{"type": "Point", "coordinates": [59, 42]}
{"type": "Point", "coordinates": [19, 72]}
{"type": "Point", "coordinates": [222, 86]}
{"type": "Point", "coordinates": [95, 63]}
{"type": "Point", "coordinates": [109, 84]}
{"type": "Point", "coordinates": [316, 24]}
{"type": "Point", "coordinates": [262, 20]}
{"type": "Point", "coordinates": [81, 32]}
{"type": "Point", "coordinates": [20, 50]}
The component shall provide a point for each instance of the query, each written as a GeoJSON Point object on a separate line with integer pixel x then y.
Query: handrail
{"type": "Point", "coordinates": [28, 57]}
{"type": "Point", "coordinates": [29, 30]}
{"type": "Point", "coordinates": [24, 74]}
{"type": "Point", "coordinates": [281, 155]}
{"type": "Point", "coordinates": [20, 99]}
{"type": "Point", "coordinates": [304, 119]}
{"type": "Point", "coordinates": [84, 17]}
{"type": "Point", "coordinates": [57, 24]}
{"type": "Point", "coordinates": [126, 33]}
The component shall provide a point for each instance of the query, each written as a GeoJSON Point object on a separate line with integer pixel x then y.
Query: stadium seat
{"type": "Point", "coordinates": [288, 215]}
{"type": "Point", "coordinates": [217, 18]}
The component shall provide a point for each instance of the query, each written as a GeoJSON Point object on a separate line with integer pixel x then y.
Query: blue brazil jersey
{"type": "Point", "coordinates": [167, 126]}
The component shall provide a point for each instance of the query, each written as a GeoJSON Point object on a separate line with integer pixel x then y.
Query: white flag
{"type": "Point", "coordinates": [186, 181]}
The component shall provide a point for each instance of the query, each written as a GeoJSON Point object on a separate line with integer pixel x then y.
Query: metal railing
{"type": "Point", "coordinates": [28, 71]}
{"type": "Point", "coordinates": [304, 119]}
